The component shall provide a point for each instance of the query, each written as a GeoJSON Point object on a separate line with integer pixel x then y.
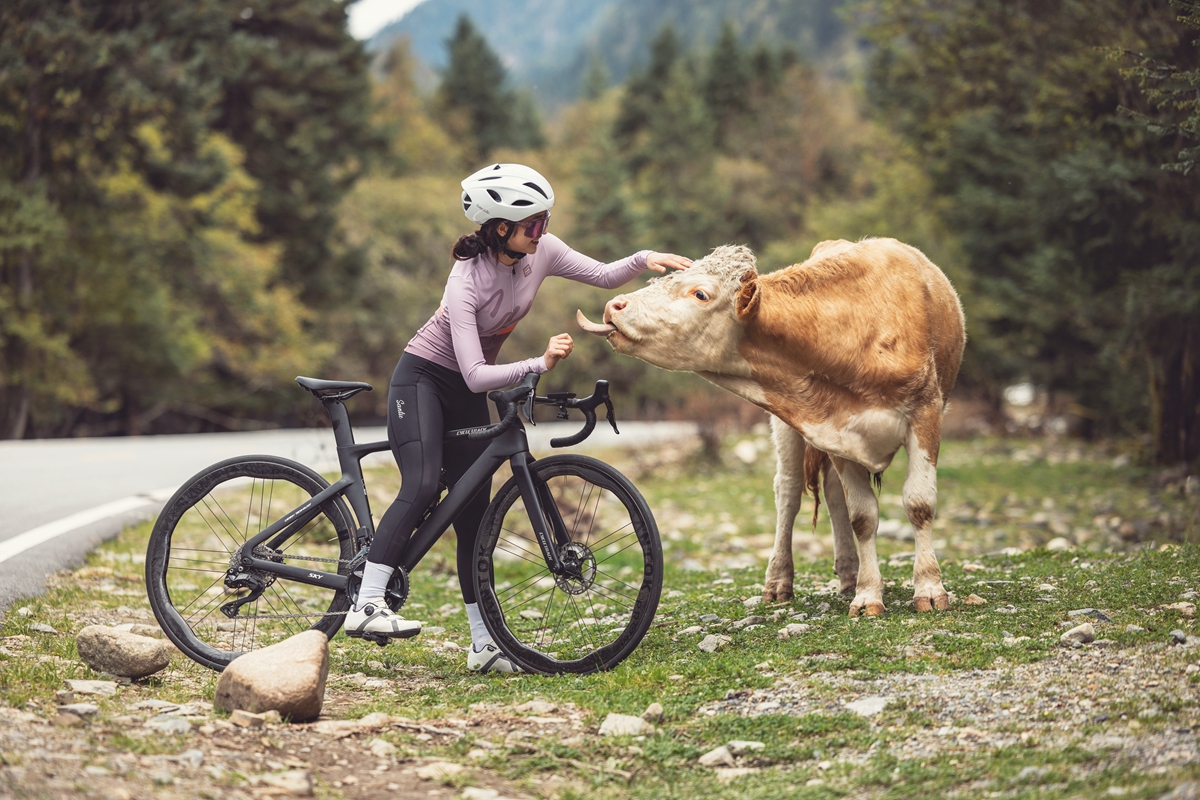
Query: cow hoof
{"type": "Point", "coordinates": [940, 602]}
{"type": "Point", "coordinates": [777, 595]}
{"type": "Point", "coordinates": [849, 588]}
{"type": "Point", "coordinates": [869, 609]}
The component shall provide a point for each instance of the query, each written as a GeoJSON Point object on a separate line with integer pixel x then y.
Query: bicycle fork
{"type": "Point", "coordinates": [540, 506]}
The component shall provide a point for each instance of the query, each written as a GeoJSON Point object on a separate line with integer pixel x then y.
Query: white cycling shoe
{"type": "Point", "coordinates": [489, 659]}
{"type": "Point", "coordinates": [377, 622]}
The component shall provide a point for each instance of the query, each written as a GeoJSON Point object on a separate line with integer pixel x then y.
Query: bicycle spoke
{"type": "Point", "coordinates": [226, 515]}
{"type": "Point", "coordinates": [598, 544]}
{"type": "Point", "coordinates": [622, 550]}
{"type": "Point", "coordinates": [202, 593]}
{"type": "Point", "coordinates": [216, 535]}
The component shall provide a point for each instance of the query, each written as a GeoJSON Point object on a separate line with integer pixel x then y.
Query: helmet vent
{"type": "Point", "coordinates": [537, 189]}
{"type": "Point", "coordinates": [495, 195]}
{"type": "Point", "coordinates": [490, 178]}
{"type": "Point", "coordinates": [521, 203]}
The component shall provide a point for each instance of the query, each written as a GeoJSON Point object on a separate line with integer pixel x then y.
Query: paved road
{"type": "Point", "coordinates": [59, 498]}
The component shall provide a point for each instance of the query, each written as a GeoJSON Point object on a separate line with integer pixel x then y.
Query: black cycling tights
{"type": "Point", "coordinates": [425, 401]}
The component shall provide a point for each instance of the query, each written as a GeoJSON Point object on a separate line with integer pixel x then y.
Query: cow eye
{"type": "Point", "coordinates": [700, 295]}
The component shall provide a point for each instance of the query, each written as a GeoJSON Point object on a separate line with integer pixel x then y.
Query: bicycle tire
{"type": "Point", "coordinates": [198, 531]}
{"type": "Point", "coordinates": [517, 595]}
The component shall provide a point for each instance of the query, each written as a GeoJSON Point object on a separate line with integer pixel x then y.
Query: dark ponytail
{"type": "Point", "coordinates": [485, 239]}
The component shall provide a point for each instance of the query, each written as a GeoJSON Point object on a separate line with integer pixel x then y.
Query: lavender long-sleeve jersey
{"type": "Point", "coordinates": [485, 299]}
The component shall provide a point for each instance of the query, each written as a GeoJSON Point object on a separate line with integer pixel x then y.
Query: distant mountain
{"type": "Point", "coordinates": [547, 44]}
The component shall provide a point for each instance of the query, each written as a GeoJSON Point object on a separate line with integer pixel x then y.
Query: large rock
{"type": "Point", "coordinates": [288, 677]}
{"type": "Point", "coordinates": [122, 653]}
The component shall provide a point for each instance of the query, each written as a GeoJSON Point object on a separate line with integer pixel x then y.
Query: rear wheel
{"type": "Point", "coordinates": [595, 615]}
{"type": "Point", "coordinates": [193, 545]}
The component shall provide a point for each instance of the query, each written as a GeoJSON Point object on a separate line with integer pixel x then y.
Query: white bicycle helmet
{"type": "Point", "coordinates": [505, 191]}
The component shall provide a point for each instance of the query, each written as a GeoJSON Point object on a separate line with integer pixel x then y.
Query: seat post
{"type": "Point", "coordinates": [343, 434]}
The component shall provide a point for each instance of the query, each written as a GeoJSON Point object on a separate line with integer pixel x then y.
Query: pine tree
{"type": "Point", "coordinates": [727, 81]}
{"type": "Point", "coordinates": [645, 89]}
{"type": "Point", "coordinates": [475, 102]}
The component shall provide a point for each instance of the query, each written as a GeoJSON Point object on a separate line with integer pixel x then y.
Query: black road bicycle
{"type": "Point", "coordinates": [257, 548]}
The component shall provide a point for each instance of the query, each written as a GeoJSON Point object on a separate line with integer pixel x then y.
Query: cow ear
{"type": "Point", "coordinates": [748, 296]}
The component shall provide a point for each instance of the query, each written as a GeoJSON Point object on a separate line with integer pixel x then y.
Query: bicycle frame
{"type": "Point", "coordinates": [512, 445]}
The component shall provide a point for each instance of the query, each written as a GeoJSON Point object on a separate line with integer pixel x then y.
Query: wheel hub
{"type": "Point", "coordinates": [579, 568]}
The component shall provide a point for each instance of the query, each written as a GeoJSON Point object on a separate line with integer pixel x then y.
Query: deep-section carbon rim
{"type": "Point", "coordinates": [594, 616]}
{"type": "Point", "coordinates": [194, 541]}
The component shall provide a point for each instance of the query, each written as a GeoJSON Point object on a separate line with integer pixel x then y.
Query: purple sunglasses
{"type": "Point", "coordinates": [535, 227]}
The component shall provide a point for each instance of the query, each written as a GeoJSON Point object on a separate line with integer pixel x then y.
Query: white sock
{"type": "Point", "coordinates": [479, 632]}
{"type": "Point", "coordinates": [374, 584]}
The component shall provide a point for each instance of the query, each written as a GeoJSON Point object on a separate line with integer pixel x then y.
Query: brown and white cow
{"type": "Point", "coordinates": [854, 353]}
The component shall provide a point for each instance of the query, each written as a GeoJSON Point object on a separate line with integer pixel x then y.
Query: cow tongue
{"type": "Point", "coordinates": [592, 327]}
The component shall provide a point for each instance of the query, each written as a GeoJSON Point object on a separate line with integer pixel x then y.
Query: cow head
{"type": "Point", "coordinates": [691, 320]}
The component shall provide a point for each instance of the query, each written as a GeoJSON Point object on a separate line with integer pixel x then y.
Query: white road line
{"type": "Point", "coordinates": [44, 533]}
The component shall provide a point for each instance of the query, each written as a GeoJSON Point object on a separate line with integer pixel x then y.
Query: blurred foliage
{"type": "Point", "coordinates": [199, 202]}
{"type": "Point", "coordinates": [1088, 250]}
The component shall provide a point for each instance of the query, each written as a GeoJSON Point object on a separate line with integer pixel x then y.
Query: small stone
{"type": "Point", "coordinates": [122, 653]}
{"type": "Point", "coordinates": [98, 688]}
{"type": "Point", "coordinates": [794, 629]}
{"type": "Point", "coordinates": [439, 770]}
{"type": "Point", "coordinates": [288, 677]}
{"type": "Point", "coordinates": [729, 774]}
{"type": "Point", "coordinates": [1081, 634]}
{"type": "Point", "coordinates": [478, 755]}
{"type": "Point", "coordinates": [272, 717]}
{"type": "Point", "coordinates": [519, 741]}
{"type": "Point", "coordinates": [1192, 669]}
{"type": "Point", "coordinates": [713, 642]}
{"type": "Point", "coordinates": [191, 758]}
{"type": "Point", "coordinates": [381, 749]}
{"type": "Point", "coordinates": [163, 779]}
{"type": "Point", "coordinates": [531, 613]}
{"type": "Point", "coordinates": [719, 756]}
{"type": "Point", "coordinates": [868, 706]}
{"type": "Point", "coordinates": [65, 719]}
{"type": "Point", "coordinates": [170, 724]}
{"type": "Point", "coordinates": [1134, 629]}
{"type": "Point", "coordinates": [707, 618]}
{"type": "Point", "coordinates": [295, 782]}
{"type": "Point", "coordinates": [1031, 774]}
{"type": "Point", "coordinates": [1184, 608]}
{"type": "Point", "coordinates": [479, 793]}
{"type": "Point", "coordinates": [537, 707]}
{"type": "Point", "coordinates": [653, 713]}
{"type": "Point", "coordinates": [751, 602]}
{"type": "Point", "coordinates": [1178, 636]}
{"type": "Point", "coordinates": [739, 746]}
{"type": "Point", "coordinates": [25, 611]}
{"type": "Point", "coordinates": [477, 688]}
{"type": "Point", "coordinates": [1047, 587]}
{"type": "Point", "coordinates": [748, 621]}
{"type": "Point", "coordinates": [245, 719]}
{"type": "Point", "coordinates": [84, 710]}
{"type": "Point", "coordinates": [1059, 543]}
{"type": "Point", "coordinates": [691, 629]}
{"type": "Point", "coordinates": [64, 697]}
{"type": "Point", "coordinates": [625, 725]}
{"type": "Point", "coordinates": [41, 627]}
{"type": "Point", "coordinates": [974, 600]}
{"type": "Point", "coordinates": [1094, 613]}
{"type": "Point", "coordinates": [158, 706]}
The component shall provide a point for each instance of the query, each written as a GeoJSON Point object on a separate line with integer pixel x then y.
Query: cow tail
{"type": "Point", "coordinates": [814, 463]}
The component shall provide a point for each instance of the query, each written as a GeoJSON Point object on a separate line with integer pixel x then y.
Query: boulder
{"type": "Point", "coordinates": [122, 653]}
{"type": "Point", "coordinates": [288, 677]}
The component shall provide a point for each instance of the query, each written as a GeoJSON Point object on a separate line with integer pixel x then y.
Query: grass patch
{"type": "Point", "coordinates": [996, 724]}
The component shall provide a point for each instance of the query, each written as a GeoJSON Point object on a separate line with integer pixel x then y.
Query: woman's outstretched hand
{"type": "Point", "coordinates": [559, 348]}
{"type": "Point", "coordinates": [660, 261]}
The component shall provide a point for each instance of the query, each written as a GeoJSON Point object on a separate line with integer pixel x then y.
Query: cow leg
{"type": "Point", "coordinates": [920, 501]}
{"type": "Point", "coordinates": [789, 487]}
{"type": "Point", "coordinates": [862, 508]}
{"type": "Point", "coordinates": [845, 553]}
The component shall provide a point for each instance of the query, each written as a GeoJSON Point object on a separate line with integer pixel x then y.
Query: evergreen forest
{"type": "Point", "coordinates": [201, 200]}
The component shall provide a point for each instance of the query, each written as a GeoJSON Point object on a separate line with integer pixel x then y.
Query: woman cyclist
{"type": "Point", "coordinates": [448, 367]}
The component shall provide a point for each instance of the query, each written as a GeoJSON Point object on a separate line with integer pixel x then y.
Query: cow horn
{"type": "Point", "coordinates": [592, 327]}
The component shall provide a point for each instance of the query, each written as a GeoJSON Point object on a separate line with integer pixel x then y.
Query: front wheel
{"type": "Point", "coordinates": [595, 615]}
{"type": "Point", "coordinates": [193, 545]}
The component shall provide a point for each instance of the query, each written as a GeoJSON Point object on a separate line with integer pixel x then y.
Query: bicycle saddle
{"type": "Point", "coordinates": [340, 390]}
